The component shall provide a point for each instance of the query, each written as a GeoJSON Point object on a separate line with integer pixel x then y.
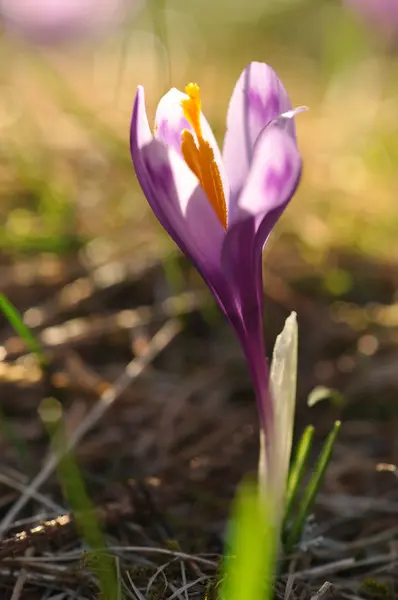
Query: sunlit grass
{"type": "Point", "coordinates": [348, 192]}
{"type": "Point", "coordinates": [16, 321]}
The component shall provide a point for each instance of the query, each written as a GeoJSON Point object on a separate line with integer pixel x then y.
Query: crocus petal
{"type": "Point", "coordinates": [174, 195]}
{"type": "Point", "coordinates": [170, 122]}
{"type": "Point", "coordinates": [258, 98]}
{"type": "Point", "coordinates": [273, 177]}
{"type": "Point", "coordinates": [252, 342]}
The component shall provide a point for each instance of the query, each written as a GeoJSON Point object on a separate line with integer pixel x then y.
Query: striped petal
{"type": "Point", "coordinates": [170, 123]}
{"type": "Point", "coordinates": [258, 98]}
{"type": "Point", "coordinates": [173, 193]}
{"type": "Point", "coordinates": [273, 177]}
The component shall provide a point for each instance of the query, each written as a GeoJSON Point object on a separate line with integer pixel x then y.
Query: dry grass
{"type": "Point", "coordinates": [179, 433]}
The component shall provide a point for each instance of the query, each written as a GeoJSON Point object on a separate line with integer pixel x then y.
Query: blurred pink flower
{"type": "Point", "coordinates": [382, 14]}
{"type": "Point", "coordinates": [52, 21]}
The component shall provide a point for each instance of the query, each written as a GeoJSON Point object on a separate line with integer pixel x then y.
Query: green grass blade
{"type": "Point", "coordinates": [298, 469]}
{"type": "Point", "coordinates": [312, 488]}
{"type": "Point", "coordinates": [16, 322]}
{"type": "Point", "coordinates": [74, 490]}
{"type": "Point", "coordinates": [249, 567]}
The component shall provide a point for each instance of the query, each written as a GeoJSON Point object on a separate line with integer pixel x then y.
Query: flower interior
{"type": "Point", "coordinates": [199, 155]}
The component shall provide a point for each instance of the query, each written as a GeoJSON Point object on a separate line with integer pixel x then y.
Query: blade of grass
{"type": "Point", "coordinates": [74, 490]}
{"type": "Point", "coordinates": [16, 322]}
{"type": "Point", "coordinates": [249, 567]}
{"type": "Point", "coordinates": [312, 489]}
{"type": "Point", "coordinates": [298, 469]}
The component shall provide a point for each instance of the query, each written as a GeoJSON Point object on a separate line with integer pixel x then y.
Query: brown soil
{"type": "Point", "coordinates": [163, 443]}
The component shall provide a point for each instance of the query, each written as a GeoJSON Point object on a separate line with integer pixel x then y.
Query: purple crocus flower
{"type": "Point", "coordinates": [51, 21]}
{"type": "Point", "coordinates": [382, 14]}
{"type": "Point", "coordinates": [220, 208]}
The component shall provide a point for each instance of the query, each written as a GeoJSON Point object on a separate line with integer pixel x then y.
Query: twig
{"type": "Point", "coordinates": [163, 337]}
{"type": "Point", "coordinates": [289, 586]}
{"type": "Point", "coordinates": [186, 586]}
{"type": "Point", "coordinates": [357, 505]}
{"type": "Point", "coordinates": [333, 567]}
{"type": "Point", "coordinates": [137, 592]}
{"type": "Point", "coordinates": [154, 550]}
{"type": "Point", "coordinates": [32, 538]}
{"type": "Point", "coordinates": [326, 590]}
{"type": "Point", "coordinates": [346, 563]}
{"type": "Point", "coordinates": [59, 529]}
{"type": "Point", "coordinates": [159, 571]}
{"type": "Point", "coordinates": [22, 577]}
{"type": "Point", "coordinates": [365, 542]}
{"type": "Point", "coordinates": [20, 487]}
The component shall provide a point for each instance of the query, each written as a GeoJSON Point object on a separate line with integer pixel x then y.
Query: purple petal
{"type": "Point", "coordinates": [273, 177]}
{"type": "Point", "coordinates": [242, 270]}
{"type": "Point", "coordinates": [254, 350]}
{"type": "Point", "coordinates": [258, 98]}
{"type": "Point", "coordinates": [184, 212]}
{"type": "Point", "coordinates": [272, 180]}
{"type": "Point", "coordinates": [170, 120]}
{"type": "Point", "coordinates": [174, 195]}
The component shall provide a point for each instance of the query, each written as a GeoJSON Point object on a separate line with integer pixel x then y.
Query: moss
{"type": "Point", "coordinates": [377, 590]}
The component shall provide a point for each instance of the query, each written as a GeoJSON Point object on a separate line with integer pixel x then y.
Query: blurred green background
{"type": "Point", "coordinates": [65, 172]}
{"type": "Point", "coordinates": [70, 200]}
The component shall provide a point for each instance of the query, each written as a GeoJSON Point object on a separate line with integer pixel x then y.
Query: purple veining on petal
{"type": "Point", "coordinates": [258, 98]}
{"type": "Point", "coordinates": [170, 122]}
{"type": "Point", "coordinates": [272, 180]}
{"type": "Point", "coordinates": [275, 179]}
{"type": "Point", "coordinates": [174, 195]}
{"type": "Point", "coordinates": [263, 109]}
{"type": "Point", "coordinates": [161, 176]}
{"type": "Point", "coordinates": [171, 136]}
{"type": "Point", "coordinates": [260, 195]}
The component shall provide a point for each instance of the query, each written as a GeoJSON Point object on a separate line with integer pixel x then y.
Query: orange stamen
{"type": "Point", "coordinates": [199, 155]}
